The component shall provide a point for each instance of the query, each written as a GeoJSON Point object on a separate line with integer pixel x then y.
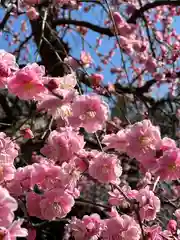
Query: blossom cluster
{"type": "Point", "coordinates": [49, 187]}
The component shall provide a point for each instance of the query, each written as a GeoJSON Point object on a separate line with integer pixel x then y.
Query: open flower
{"type": "Point", "coordinates": [27, 83]}
{"type": "Point", "coordinates": [89, 112]}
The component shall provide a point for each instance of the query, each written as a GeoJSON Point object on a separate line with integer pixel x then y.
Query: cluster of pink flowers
{"type": "Point", "coordinates": [8, 153]}
{"type": "Point", "coordinates": [50, 186]}
{"type": "Point", "coordinates": [143, 142]}
{"type": "Point", "coordinates": [9, 228]}
{"type": "Point", "coordinates": [93, 227]}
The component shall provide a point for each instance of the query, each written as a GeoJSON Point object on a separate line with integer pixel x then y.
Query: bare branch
{"type": "Point", "coordinates": [101, 30]}
{"type": "Point", "coordinates": [139, 12]}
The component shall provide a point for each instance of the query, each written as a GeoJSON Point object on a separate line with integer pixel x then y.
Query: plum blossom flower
{"type": "Point", "coordinates": [122, 26]}
{"type": "Point", "coordinates": [61, 146]}
{"type": "Point", "coordinates": [27, 133]}
{"type": "Point", "coordinates": [13, 231]}
{"type": "Point", "coordinates": [7, 67]}
{"type": "Point", "coordinates": [117, 141]}
{"type": "Point", "coordinates": [66, 82]}
{"type": "Point", "coordinates": [32, 13]}
{"type": "Point", "coordinates": [7, 207]}
{"type": "Point", "coordinates": [45, 176]}
{"type": "Point", "coordinates": [89, 112]}
{"type": "Point", "coordinates": [105, 168]}
{"type": "Point", "coordinates": [7, 172]}
{"type": "Point", "coordinates": [177, 214]}
{"type": "Point", "coordinates": [86, 59]}
{"type": "Point", "coordinates": [149, 204]}
{"type": "Point", "coordinates": [169, 165]}
{"type": "Point", "coordinates": [90, 227]}
{"type": "Point", "coordinates": [56, 107]}
{"type": "Point", "coordinates": [154, 233]}
{"type": "Point", "coordinates": [172, 226]}
{"type": "Point", "coordinates": [8, 150]}
{"type": "Point", "coordinates": [121, 227]}
{"type": "Point", "coordinates": [96, 79]}
{"type": "Point", "coordinates": [27, 83]}
{"type": "Point", "coordinates": [21, 182]}
{"type": "Point", "coordinates": [53, 204]}
{"type": "Point", "coordinates": [117, 199]}
{"type": "Point", "coordinates": [143, 139]}
{"type": "Point", "coordinates": [56, 204]}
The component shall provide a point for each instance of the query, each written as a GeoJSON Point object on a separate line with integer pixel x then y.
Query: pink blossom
{"type": "Point", "coordinates": [8, 150]}
{"type": "Point", "coordinates": [31, 234]}
{"type": "Point", "coordinates": [154, 233]}
{"type": "Point", "coordinates": [172, 226]}
{"type": "Point", "coordinates": [143, 139]}
{"type": "Point", "coordinates": [117, 199]}
{"type": "Point", "coordinates": [169, 165]}
{"type": "Point", "coordinates": [149, 204]}
{"type": "Point", "coordinates": [52, 204]}
{"type": "Point", "coordinates": [27, 83]}
{"type": "Point", "coordinates": [96, 79]}
{"type": "Point", "coordinates": [7, 66]}
{"type": "Point", "coordinates": [27, 133]}
{"type": "Point", "coordinates": [7, 172]}
{"type": "Point", "coordinates": [177, 214]}
{"type": "Point", "coordinates": [122, 26]}
{"type": "Point", "coordinates": [21, 181]}
{"type": "Point", "coordinates": [86, 59]}
{"type": "Point", "coordinates": [69, 175]}
{"type": "Point", "coordinates": [32, 13]}
{"type": "Point", "coordinates": [167, 143]}
{"type": "Point", "coordinates": [90, 227]}
{"type": "Point", "coordinates": [61, 146]}
{"type": "Point", "coordinates": [45, 175]}
{"type": "Point", "coordinates": [7, 207]}
{"type": "Point", "coordinates": [105, 168]}
{"type": "Point", "coordinates": [121, 227]}
{"type": "Point", "coordinates": [67, 82]}
{"type": "Point", "coordinates": [117, 141]}
{"type": "Point", "coordinates": [89, 112]}
{"type": "Point", "coordinates": [13, 231]}
{"type": "Point", "coordinates": [58, 108]}
{"type": "Point", "coordinates": [151, 65]}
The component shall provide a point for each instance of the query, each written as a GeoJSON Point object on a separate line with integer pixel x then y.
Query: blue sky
{"type": "Point", "coordinates": [94, 16]}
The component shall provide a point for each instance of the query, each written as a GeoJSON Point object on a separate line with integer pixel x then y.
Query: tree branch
{"type": "Point", "coordinates": [5, 19]}
{"type": "Point", "coordinates": [139, 12]}
{"type": "Point", "coordinates": [101, 30]}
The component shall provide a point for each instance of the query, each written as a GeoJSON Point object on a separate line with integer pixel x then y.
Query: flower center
{"type": "Point", "coordinates": [28, 86]}
{"type": "Point", "coordinates": [144, 140]}
{"type": "Point", "coordinates": [57, 208]}
{"type": "Point", "coordinates": [172, 167]}
{"type": "Point", "coordinates": [105, 168]}
{"type": "Point", "coordinates": [88, 115]}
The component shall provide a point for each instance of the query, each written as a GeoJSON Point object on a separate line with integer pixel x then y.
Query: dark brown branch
{"type": "Point", "coordinates": [101, 30]}
{"type": "Point", "coordinates": [5, 19]}
{"type": "Point", "coordinates": [139, 12]}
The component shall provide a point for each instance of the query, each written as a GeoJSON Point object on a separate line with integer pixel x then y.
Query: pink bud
{"type": "Point", "coordinates": [96, 79]}
{"type": "Point", "coordinates": [118, 18]}
{"type": "Point", "coordinates": [172, 225]}
{"type": "Point", "coordinates": [27, 133]}
{"type": "Point", "coordinates": [52, 84]}
{"type": "Point", "coordinates": [31, 234]}
{"type": "Point", "coordinates": [32, 13]}
{"type": "Point", "coordinates": [177, 214]}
